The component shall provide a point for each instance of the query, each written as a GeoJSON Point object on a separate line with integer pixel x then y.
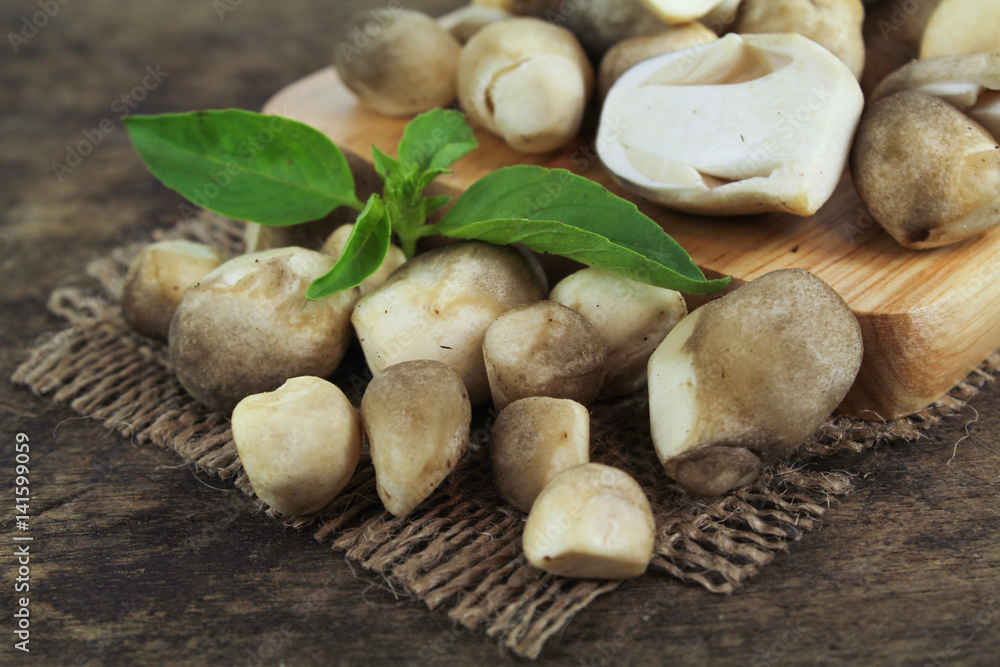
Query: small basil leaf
{"type": "Point", "coordinates": [363, 255]}
{"type": "Point", "coordinates": [385, 166]}
{"type": "Point", "coordinates": [555, 211]}
{"type": "Point", "coordinates": [436, 139]}
{"type": "Point", "coordinates": [244, 165]}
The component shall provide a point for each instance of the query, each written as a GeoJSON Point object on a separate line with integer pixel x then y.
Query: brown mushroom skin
{"type": "Point", "coordinates": [533, 440]}
{"type": "Point", "coordinates": [712, 471]}
{"type": "Point", "coordinates": [247, 327]}
{"type": "Point", "coordinates": [928, 174]}
{"type": "Point", "coordinates": [408, 67]}
{"type": "Point", "coordinates": [416, 416]}
{"type": "Point", "coordinates": [544, 349]}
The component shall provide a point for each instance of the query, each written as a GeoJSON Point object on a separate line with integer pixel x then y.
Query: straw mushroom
{"type": "Point", "coordinates": [312, 235]}
{"type": "Point", "coordinates": [544, 349]}
{"type": "Point", "coordinates": [959, 27]}
{"type": "Point", "coordinates": [533, 440]}
{"type": "Point", "coordinates": [633, 319]}
{"type": "Point", "coordinates": [835, 24]}
{"type": "Point", "coordinates": [416, 417]}
{"type": "Point", "coordinates": [439, 304]}
{"type": "Point", "coordinates": [299, 444]}
{"type": "Point", "coordinates": [970, 82]}
{"type": "Point", "coordinates": [247, 327]}
{"type": "Point", "coordinates": [745, 379]}
{"type": "Point", "coordinates": [591, 521]}
{"type": "Point", "coordinates": [401, 68]}
{"type": "Point", "coordinates": [394, 258]}
{"type": "Point", "coordinates": [745, 124]}
{"type": "Point", "coordinates": [927, 173]}
{"type": "Point", "coordinates": [527, 81]}
{"type": "Point", "coordinates": [628, 52]}
{"type": "Point", "coordinates": [157, 279]}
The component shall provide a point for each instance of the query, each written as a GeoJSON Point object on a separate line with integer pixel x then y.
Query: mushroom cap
{"type": "Point", "coordinates": [466, 21]}
{"type": "Point", "coordinates": [247, 327]}
{"type": "Point", "coordinates": [544, 349]}
{"type": "Point", "coordinates": [439, 304]}
{"type": "Point", "coordinates": [927, 173]}
{"type": "Point", "coordinates": [416, 417]}
{"type": "Point", "coordinates": [760, 368]}
{"type": "Point", "coordinates": [157, 279]}
{"type": "Point", "coordinates": [299, 444]}
{"type": "Point", "coordinates": [533, 440]}
{"type": "Point", "coordinates": [834, 24]}
{"type": "Point", "coordinates": [527, 81]}
{"type": "Point", "coordinates": [745, 124]}
{"type": "Point", "coordinates": [399, 67]}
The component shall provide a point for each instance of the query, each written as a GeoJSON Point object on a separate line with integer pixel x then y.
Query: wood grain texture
{"type": "Point", "coordinates": [927, 317]}
{"type": "Point", "coordinates": [139, 562]}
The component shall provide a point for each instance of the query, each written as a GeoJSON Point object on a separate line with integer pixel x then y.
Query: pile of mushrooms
{"type": "Point", "coordinates": [755, 108]}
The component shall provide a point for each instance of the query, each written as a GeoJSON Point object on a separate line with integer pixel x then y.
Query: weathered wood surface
{"type": "Point", "coordinates": [137, 561]}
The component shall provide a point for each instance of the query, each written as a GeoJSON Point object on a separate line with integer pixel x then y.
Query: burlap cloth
{"type": "Point", "coordinates": [461, 549]}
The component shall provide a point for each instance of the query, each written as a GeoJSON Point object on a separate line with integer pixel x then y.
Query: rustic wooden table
{"type": "Point", "coordinates": [135, 559]}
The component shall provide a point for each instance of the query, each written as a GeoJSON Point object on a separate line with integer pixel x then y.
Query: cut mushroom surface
{"type": "Point", "coordinates": [746, 124]}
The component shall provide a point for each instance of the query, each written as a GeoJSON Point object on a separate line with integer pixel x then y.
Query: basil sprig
{"type": "Point", "coordinates": [276, 171]}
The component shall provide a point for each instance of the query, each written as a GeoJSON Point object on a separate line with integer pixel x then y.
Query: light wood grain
{"type": "Point", "coordinates": [928, 317]}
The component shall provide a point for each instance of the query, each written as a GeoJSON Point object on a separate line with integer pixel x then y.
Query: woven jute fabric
{"type": "Point", "coordinates": [460, 550]}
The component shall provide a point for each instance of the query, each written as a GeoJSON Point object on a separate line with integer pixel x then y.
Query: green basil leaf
{"type": "Point", "coordinates": [555, 211]}
{"type": "Point", "coordinates": [436, 139]}
{"type": "Point", "coordinates": [363, 255]}
{"type": "Point", "coordinates": [432, 204]}
{"type": "Point", "coordinates": [245, 165]}
{"type": "Point", "coordinates": [385, 166]}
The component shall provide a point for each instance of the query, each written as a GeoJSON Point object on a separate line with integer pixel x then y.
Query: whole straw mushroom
{"type": "Point", "coordinates": [834, 24]}
{"type": "Point", "coordinates": [439, 304]}
{"type": "Point", "coordinates": [544, 349]}
{"type": "Point", "coordinates": [533, 440]}
{"type": "Point", "coordinates": [157, 279]}
{"type": "Point", "coordinates": [299, 444]}
{"type": "Point", "coordinates": [927, 173]}
{"type": "Point", "coordinates": [526, 81]}
{"type": "Point", "coordinates": [745, 379]}
{"type": "Point", "coordinates": [746, 124]}
{"type": "Point", "coordinates": [400, 66]}
{"type": "Point", "coordinates": [466, 21]}
{"type": "Point", "coordinates": [416, 416]}
{"type": "Point", "coordinates": [247, 327]}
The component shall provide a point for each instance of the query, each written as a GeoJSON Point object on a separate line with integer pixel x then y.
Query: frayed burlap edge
{"type": "Point", "coordinates": [460, 550]}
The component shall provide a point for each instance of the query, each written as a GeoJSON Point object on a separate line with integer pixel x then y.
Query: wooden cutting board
{"type": "Point", "coordinates": [928, 317]}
